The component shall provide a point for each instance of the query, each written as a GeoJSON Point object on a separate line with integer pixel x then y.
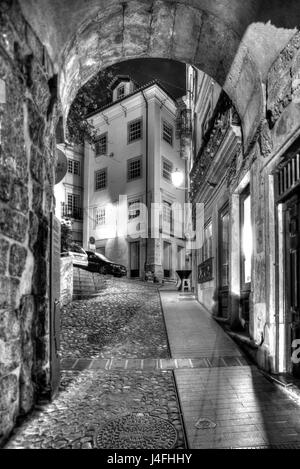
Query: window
{"type": "Point", "coordinates": [100, 216]}
{"type": "Point", "coordinates": [72, 208]}
{"type": "Point", "coordinates": [180, 258]}
{"type": "Point", "coordinates": [133, 209]}
{"type": "Point", "coordinates": [135, 130]}
{"type": "Point", "coordinates": [73, 167]}
{"type": "Point", "coordinates": [245, 255]}
{"type": "Point", "coordinates": [167, 218]}
{"type": "Point", "coordinates": [224, 248]}
{"type": "Point", "coordinates": [101, 145]}
{"type": "Point", "coordinates": [167, 169]}
{"type": "Point", "coordinates": [121, 92]}
{"type": "Point", "coordinates": [207, 243]}
{"type": "Point", "coordinates": [167, 132]}
{"type": "Point", "coordinates": [134, 168]}
{"type": "Point", "coordinates": [100, 179]}
{"type": "Point", "coordinates": [246, 237]}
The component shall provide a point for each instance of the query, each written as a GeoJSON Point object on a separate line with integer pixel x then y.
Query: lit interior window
{"type": "Point", "coordinates": [247, 239]}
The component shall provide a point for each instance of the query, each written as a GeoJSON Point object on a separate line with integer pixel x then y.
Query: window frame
{"type": "Point", "coordinates": [98, 209]}
{"type": "Point", "coordinates": [132, 160]}
{"type": "Point", "coordinates": [171, 127]}
{"type": "Point", "coordinates": [71, 166]}
{"type": "Point", "coordinates": [95, 179]}
{"type": "Point", "coordinates": [103, 135]}
{"type": "Point", "coordinates": [165, 160]}
{"type": "Point", "coordinates": [224, 211]}
{"type": "Point", "coordinates": [206, 250]}
{"type": "Point", "coordinates": [139, 119]}
{"type": "Point", "coordinates": [121, 87]}
{"type": "Point", "coordinates": [134, 200]}
{"type": "Point", "coordinates": [245, 286]}
{"type": "Point", "coordinates": [167, 223]}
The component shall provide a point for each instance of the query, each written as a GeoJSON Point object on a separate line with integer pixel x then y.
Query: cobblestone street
{"type": "Point", "coordinates": [116, 323]}
{"type": "Point", "coordinates": [88, 400]}
{"type": "Point", "coordinates": [124, 321]}
{"type": "Point", "coordinates": [157, 378]}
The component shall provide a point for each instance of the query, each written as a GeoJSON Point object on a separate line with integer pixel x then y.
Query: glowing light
{"type": "Point", "coordinates": [177, 178]}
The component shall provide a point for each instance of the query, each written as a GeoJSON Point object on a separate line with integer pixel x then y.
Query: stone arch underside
{"type": "Point", "coordinates": [162, 29]}
{"type": "Point", "coordinates": [232, 41]}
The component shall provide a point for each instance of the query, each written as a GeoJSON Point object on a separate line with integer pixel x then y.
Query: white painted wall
{"type": "Point", "coordinates": [114, 120]}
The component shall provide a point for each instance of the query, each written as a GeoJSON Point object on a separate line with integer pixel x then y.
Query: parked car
{"type": "Point", "coordinates": [78, 254]}
{"type": "Point", "coordinates": [97, 262]}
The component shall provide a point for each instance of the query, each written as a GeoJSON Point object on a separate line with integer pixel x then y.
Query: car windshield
{"type": "Point", "coordinates": [76, 248]}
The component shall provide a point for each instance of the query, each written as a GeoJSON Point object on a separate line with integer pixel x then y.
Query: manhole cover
{"type": "Point", "coordinates": [137, 431]}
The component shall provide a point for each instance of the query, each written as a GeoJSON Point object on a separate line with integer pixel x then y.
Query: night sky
{"type": "Point", "coordinates": [169, 72]}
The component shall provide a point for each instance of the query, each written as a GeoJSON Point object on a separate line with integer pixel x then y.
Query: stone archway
{"type": "Point", "coordinates": [163, 29]}
{"type": "Point", "coordinates": [234, 42]}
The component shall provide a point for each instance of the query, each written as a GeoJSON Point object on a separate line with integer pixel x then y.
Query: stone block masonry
{"type": "Point", "coordinates": [27, 158]}
{"type": "Point", "coordinates": [66, 280]}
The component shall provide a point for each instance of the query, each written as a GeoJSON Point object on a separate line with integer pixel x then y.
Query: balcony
{"type": "Point", "coordinates": [71, 212]}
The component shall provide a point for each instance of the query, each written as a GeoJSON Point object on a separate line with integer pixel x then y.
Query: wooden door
{"type": "Point", "coordinates": [223, 260]}
{"type": "Point", "coordinates": [167, 259]}
{"type": "Point", "coordinates": [135, 259]}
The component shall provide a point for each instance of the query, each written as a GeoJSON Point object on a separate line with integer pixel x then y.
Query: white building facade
{"type": "Point", "coordinates": [69, 192]}
{"type": "Point", "coordinates": [137, 150]}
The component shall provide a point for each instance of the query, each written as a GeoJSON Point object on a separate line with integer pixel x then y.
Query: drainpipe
{"type": "Point", "coordinates": [147, 157]}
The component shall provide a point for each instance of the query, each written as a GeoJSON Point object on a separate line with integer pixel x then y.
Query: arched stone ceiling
{"type": "Point", "coordinates": [233, 41]}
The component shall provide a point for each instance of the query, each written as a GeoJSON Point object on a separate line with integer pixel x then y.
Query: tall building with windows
{"type": "Point", "coordinates": [69, 192]}
{"type": "Point", "coordinates": [129, 211]}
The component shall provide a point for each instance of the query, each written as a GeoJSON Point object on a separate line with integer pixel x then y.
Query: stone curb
{"type": "Point", "coordinates": [150, 364]}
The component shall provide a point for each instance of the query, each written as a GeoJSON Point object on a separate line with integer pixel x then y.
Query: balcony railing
{"type": "Point", "coordinates": [71, 212]}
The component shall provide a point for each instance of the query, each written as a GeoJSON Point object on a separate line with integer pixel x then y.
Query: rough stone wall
{"type": "Point", "coordinates": [26, 181]}
{"type": "Point", "coordinates": [166, 29]}
{"type": "Point", "coordinates": [66, 280]}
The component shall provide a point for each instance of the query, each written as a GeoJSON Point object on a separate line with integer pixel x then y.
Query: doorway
{"type": "Point", "coordinates": [291, 211]}
{"type": "Point", "coordinates": [245, 255]}
{"type": "Point", "coordinates": [134, 262]}
{"type": "Point", "coordinates": [180, 258]}
{"type": "Point", "coordinates": [223, 261]}
{"type": "Point", "coordinates": [167, 259]}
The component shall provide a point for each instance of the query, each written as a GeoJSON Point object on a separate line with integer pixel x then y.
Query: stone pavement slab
{"type": "Point", "coordinates": [225, 402]}
{"type": "Point", "coordinates": [239, 421]}
{"type": "Point", "coordinates": [192, 332]}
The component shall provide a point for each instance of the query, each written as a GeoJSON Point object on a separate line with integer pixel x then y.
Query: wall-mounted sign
{"type": "Point", "coordinates": [205, 271]}
{"type": "Point", "coordinates": [61, 166]}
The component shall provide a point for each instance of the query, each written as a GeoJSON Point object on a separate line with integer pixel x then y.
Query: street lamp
{"type": "Point", "coordinates": [177, 177]}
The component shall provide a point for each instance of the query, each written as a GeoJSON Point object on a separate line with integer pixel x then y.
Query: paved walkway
{"type": "Point", "coordinates": [203, 381]}
{"type": "Point", "coordinates": [224, 407]}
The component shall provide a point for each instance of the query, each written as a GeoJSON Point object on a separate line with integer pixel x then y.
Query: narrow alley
{"type": "Point", "coordinates": [171, 370]}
